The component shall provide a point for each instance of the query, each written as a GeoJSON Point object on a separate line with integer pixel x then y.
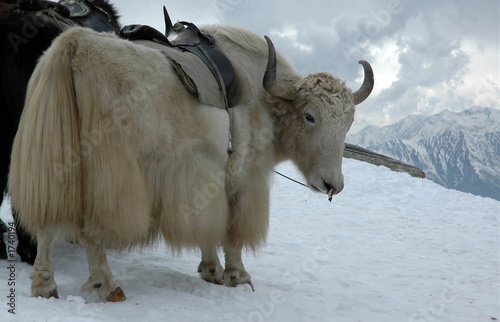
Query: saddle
{"type": "Point", "coordinates": [179, 43]}
{"type": "Point", "coordinates": [81, 12]}
{"type": "Point", "coordinates": [87, 14]}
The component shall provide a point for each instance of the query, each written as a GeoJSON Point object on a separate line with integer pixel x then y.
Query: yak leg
{"type": "Point", "coordinates": [101, 279]}
{"type": "Point", "coordinates": [42, 274]}
{"type": "Point", "coordinates": [235, 272]}
{"type": "Point", "coordinates": [210, 268]}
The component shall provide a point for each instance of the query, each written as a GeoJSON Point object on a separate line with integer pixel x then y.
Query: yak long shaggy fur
{"type": "Point", "coordinates": [112, 147]}
{"type": "Point", "coordinates": [130, 151]}
{"type": "Point", "coordinates": [25, 33]}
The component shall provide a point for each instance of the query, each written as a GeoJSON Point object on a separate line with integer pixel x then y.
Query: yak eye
{"type": "Point", "coordinates": [309, 118]}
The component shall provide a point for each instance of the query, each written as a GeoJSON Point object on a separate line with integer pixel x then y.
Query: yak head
{"type": "Point", "coordinates": [313, 115]}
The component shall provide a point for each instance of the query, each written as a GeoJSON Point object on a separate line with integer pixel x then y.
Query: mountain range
{"type": "Point", "coordinates": [457, 150]}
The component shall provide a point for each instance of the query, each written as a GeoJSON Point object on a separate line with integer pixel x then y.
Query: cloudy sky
{"type": "Point", "coordinates": [427, 56]}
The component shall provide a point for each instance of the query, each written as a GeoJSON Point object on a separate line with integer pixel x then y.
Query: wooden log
{"type": "Point", "coordinates": [352, 151]}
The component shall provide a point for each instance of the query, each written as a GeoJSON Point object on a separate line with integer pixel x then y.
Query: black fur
{"type": "Point", "coordinates": [22, 42]}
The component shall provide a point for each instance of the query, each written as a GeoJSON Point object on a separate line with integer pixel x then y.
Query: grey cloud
{"type": "Point", "coordinates": [435, 43]}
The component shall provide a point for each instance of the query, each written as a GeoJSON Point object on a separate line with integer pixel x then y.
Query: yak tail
{"type": "Point", "coordinates": [45, 180]}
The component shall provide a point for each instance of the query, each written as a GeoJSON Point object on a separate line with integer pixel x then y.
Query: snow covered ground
{"type": "Point", "coordinates": [388, 248]}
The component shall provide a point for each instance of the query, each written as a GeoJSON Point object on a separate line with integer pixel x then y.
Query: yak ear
{"type": "Point", "coordinates": [287, 105]}
{"type": "Point", "coordinates": [281, 106]}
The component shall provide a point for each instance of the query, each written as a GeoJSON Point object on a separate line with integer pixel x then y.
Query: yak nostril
{"type": "Point", "coordinates": [328, 186]}
{"type": "Point", "coordinates": [335, 189]}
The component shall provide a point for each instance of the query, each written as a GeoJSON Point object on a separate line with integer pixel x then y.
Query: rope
{"type": "Point", "coordinates": [186, 80]}
{"type": "Point", "coordinates": [281, 174]}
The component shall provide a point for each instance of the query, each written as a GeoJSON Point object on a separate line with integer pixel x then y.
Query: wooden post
{"type": "Point", "coordinates": [352, 151]}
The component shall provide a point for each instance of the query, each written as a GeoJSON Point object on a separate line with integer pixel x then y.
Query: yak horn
{"type": "Point", "coordinates": [270, 84]}
{"type": "Point", "coordinates": [366, 88]}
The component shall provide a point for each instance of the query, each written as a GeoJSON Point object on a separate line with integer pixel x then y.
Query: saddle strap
{"type": "Point", "coordinates": [186, 80]}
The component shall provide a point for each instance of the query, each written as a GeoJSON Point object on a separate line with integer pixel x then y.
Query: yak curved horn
{"type": "Point", "coordinates": [366, 88]}
{"type": "Point", "coordinates": [270, 84]}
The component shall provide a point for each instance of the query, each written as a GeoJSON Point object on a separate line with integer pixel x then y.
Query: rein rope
{"type": "Point", "coordinates": [284, 176]}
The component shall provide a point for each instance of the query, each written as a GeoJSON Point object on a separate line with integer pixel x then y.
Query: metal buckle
{"type": "Point", "coordinates": [76, 8]}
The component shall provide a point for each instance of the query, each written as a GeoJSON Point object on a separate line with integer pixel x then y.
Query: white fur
{"type": "Point", "coordinates": [113, 148]}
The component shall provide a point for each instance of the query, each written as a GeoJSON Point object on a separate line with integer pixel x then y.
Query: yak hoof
{"type": "Point", "coordinates": [45, 294]}
{"type": "Point", "coordinates": [233, 277]}
{"type": "Point", "coordinates": [211, 272]}
{"type": "Point", "coordinates": [116, 296]}
{"type": "Point", "coordinates": [54, 294]}
{"type": "Point", "coordinates": [43, 284]}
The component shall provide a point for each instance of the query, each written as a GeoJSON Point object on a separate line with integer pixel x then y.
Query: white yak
{"type": "Point", "coordinates": [111, 147]}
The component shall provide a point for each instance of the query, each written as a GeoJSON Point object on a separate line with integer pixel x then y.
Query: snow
{"type": "Point", "coordinates": [388, 248]}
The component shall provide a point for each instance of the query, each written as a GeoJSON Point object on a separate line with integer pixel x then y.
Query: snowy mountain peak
{"type": "Point", "coordinates": [457, 150]}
